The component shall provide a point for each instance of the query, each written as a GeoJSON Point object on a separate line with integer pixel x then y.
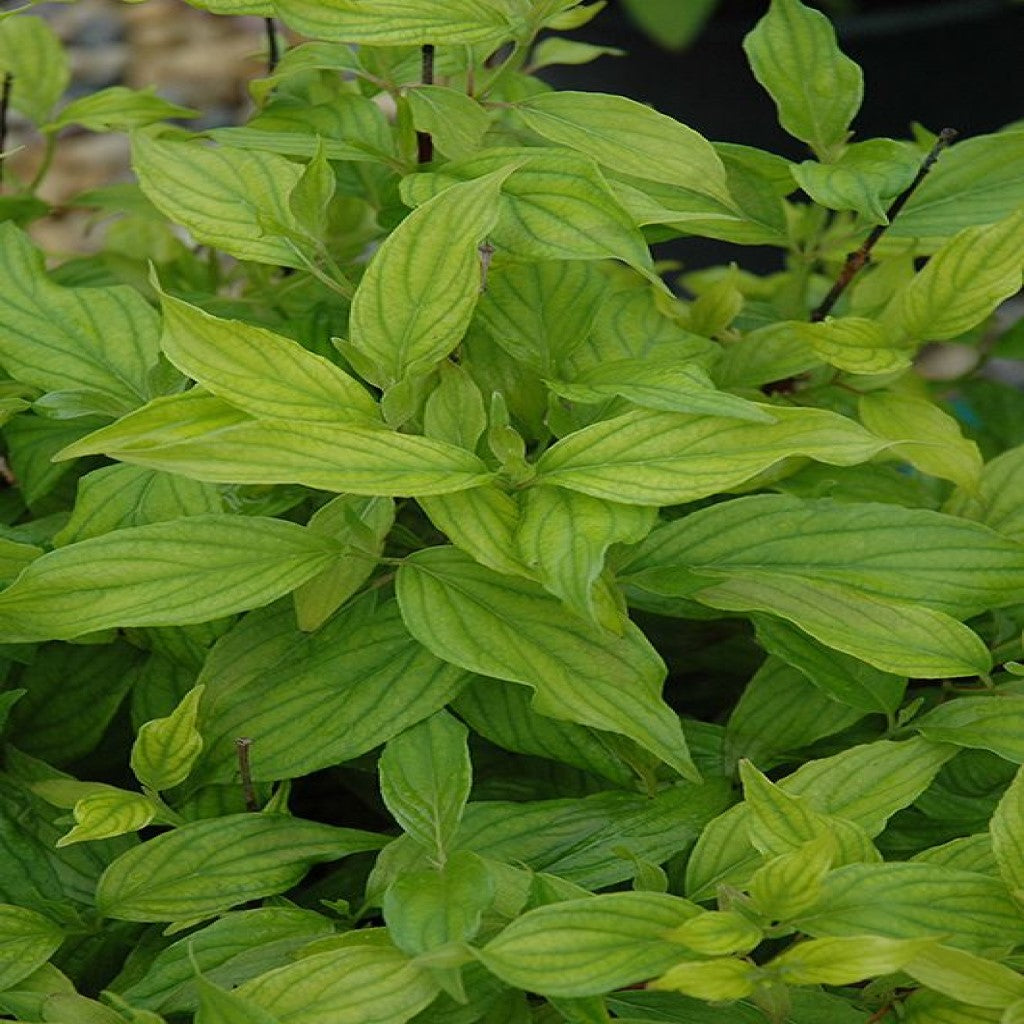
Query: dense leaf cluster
{"type": "Point", "coordinates": [415, 610]}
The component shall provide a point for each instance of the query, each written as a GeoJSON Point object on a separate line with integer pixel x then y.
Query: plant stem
{"type": "Point", "coordinates": [44, 167]}
{"type": "Point", "coordinates": [856, 261]}
{"type": "Point", "coordinates": [5, 102]}
{"type": "Point", "coordinates": [424, 142]}
{"type": "Point", "coordinates": [242, 746]}
{"type": "Point", "coordinates": [273, 53]}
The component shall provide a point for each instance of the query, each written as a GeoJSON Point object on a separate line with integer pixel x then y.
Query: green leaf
{"type": "Point", "coordinates": [928, 438]}
{"type": "Point", "coordinates": [847, 680]}
{"type": "Point", "coordinates": [217, 1006]}
{"type": "Point", "coordinates": [401, 22]}
{"type": "Point", "coordinates": [118, 109]}
{"type": "Point", "coordinates": [361, 677]}
{"type": "Point", "coordinates": [501, 713]}
{"type": "Point", "coordinates": [166, 749]}
{"type": "Point", "coordinates": [427, 910]}
{"type": "Point", "coordinates": [588, 947]}
{"type": "Point", "coordinates": [665, 458]}
{"type": "Point", "coordinates": [345, 986]}
{"type": "Point", "coordinates": [182, 571]}
{"type": "Point", "coordinates": [511, 629]}
{"type": "Point", "coordinates": [1007, 831]}
{"type": "Point", "coordinates": [865, 784]}
{"type": "Point", "coordinates": [456, 122]}
{"type": "Point", "coordinates": [979, 722]}
{"type": "Point", "coordinates": [27, 941]}
{"type": "Point", "coordinates": [658, 383]}
{"type": "Point", "coordinates": [716, 980]}
{"type": "Point", "coordinates": [361, 526]}
{"type": "Point", "coordinates": [718, 933]}
{"type": "Point", "coordinates": [260, 372]}
{"type": "Point", "coordinates": [998, 500]}
{"type": "Point", "coordinates": [628, 138]}
{"type": "Point", "coordinates": [892, 636]}
{"type": "Point", "coordinates": [563, 538]}
{"type": "Point", "coordinates": [97, 343]}
{"type": "Point", "coordinates": [781, 710]}
{"type": "Point", "coordinates": [32, 54]}
{"type": "Point", "coordinates": [202, 437]}
{"type": "Point", "coordinates": [977, 181]}
{"type": "Point", "coordinates": [409, 312]}
{"type": "Point", "coordinates": [108, 812]}
{"type": "Point", "coordinates": [967, 978]}
{"type": "Point", "coordinates": [790, 884]}
{"type": "Point", "coordinates": [865, 178]}
{"type": "Point", "coordinates": [237, 946]}
{"type": "Point", "coordinates": [220, 195]}
{"type": "Point", "coordinates": [856, 344]}
{"type": "Point", "coordinates": [883, 551]}
{"type": "Point", "coordinates": [117, 497]}
{"type": "Point", "coordinates": [203, 868]}
{"type": "Point", "coordinates": [454, 411]}
{"type": "Point", "coordinates": [911, 900]}
{"type": "Point", "coordinates": [846, 960]}
{"type": "Point", "coordinates": [554, 50]}
{"type": "Point", "coordinates": [258, 7]}
{"type": "Point", "coordinates": [816, 88]}
{"type": "Point", "coordinates": [964, 281]}
{"type": "Point", "coordinates": [425, 778]}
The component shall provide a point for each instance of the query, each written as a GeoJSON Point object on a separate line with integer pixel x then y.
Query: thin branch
{"type": "Point", "coordinates": [856, 261]}
{"type": "Point", "coordinates": [5, 103]}
{"type": "Point", "coordinates": [424, 142]}
{"type": "Point", "coordinates": [242, 747]}
{"type": "Point", "coordinates": [273, 53]}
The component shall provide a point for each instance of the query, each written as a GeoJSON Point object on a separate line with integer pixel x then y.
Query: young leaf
{"type": "Point", "coordinates": [454, 411]}
{"type": "Point", "coordinates": [866, 178]}
{"type": "Point", "coordinates": [511, 629]}
{"type": "Point", "coordinates": [98, 343]}
{"type": "Point", "coordinates": [427, 910]}
{"type": "Point", "coordinates": [360, 525]}
{"type": "Point", "coordinates": [220, 194]}
{"type": "Point", "coordinates": [816, 87]}
{"type": "Point", "coordinates": [665, 458]}
{"type": "Point", "coordinates": [31, 53]}
{"type": "Point", "coordinates": [27, 941]}
{"type": "Point", "coordinates": [629, 138]}
{"type": "Point", "coordinates": [108, 812]}
{"type": "Point", "coordinates": [425, 777]}
{"type": "Point", "coordinates": [410, 311]}
{"type": "Point", "coordinates": [361, 677]}
{"type": "Point", "coordinates": [857, 345]}
{"type": "Point", "coordinates": [715, 980]}
{"type": "Point", "coordinates": [185, 570]}
{"type": "Point", "coordinates": [1007, 831]}
{"type": "Point", "coordinates": [166, 748]}
{"type": "Point", "coordinates": [563, 537]}
{"type": "Point", "coordinates": [345, 986]}
{"type": "Point", "coordinates": [456, 122]}
{"type": "Point", "coordinates": [963, 282]}
{"type": "Point", "coordinates": [718, 933]}
{"type": "Point", "coordinates": [587, 947]}
{"type": "Point", "coordinates": [790, 884]}
{"type": "Point", "coordinates": [846, 960]}
{"type": "Point", "coordinates": [205, 867]}
{"type": "Point", "coordinates": [118, 109]}
{"type": "Point", "coordinates": [260, 372]}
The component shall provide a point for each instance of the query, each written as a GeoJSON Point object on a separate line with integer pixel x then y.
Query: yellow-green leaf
{"type": "Point", "coordinates": [106, 813]}
{"type": "Point", "coordinates": [31, 53]}
{"type": "Point", "coordinates": [857, 345]}
{"type": "Point", "coordinates": [166, 748]}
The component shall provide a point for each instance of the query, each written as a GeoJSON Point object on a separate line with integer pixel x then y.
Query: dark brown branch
{"type": "Point", "coordinates": [5, 103]}
{"type": "Point", "coordinates": [424, 143]}
{"type": "Point", "coordinates": [856, 261]}
{"type": "Point", "coordinates": [242, 746]}
{"type": "Point", "coordinates": [273, 53]}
